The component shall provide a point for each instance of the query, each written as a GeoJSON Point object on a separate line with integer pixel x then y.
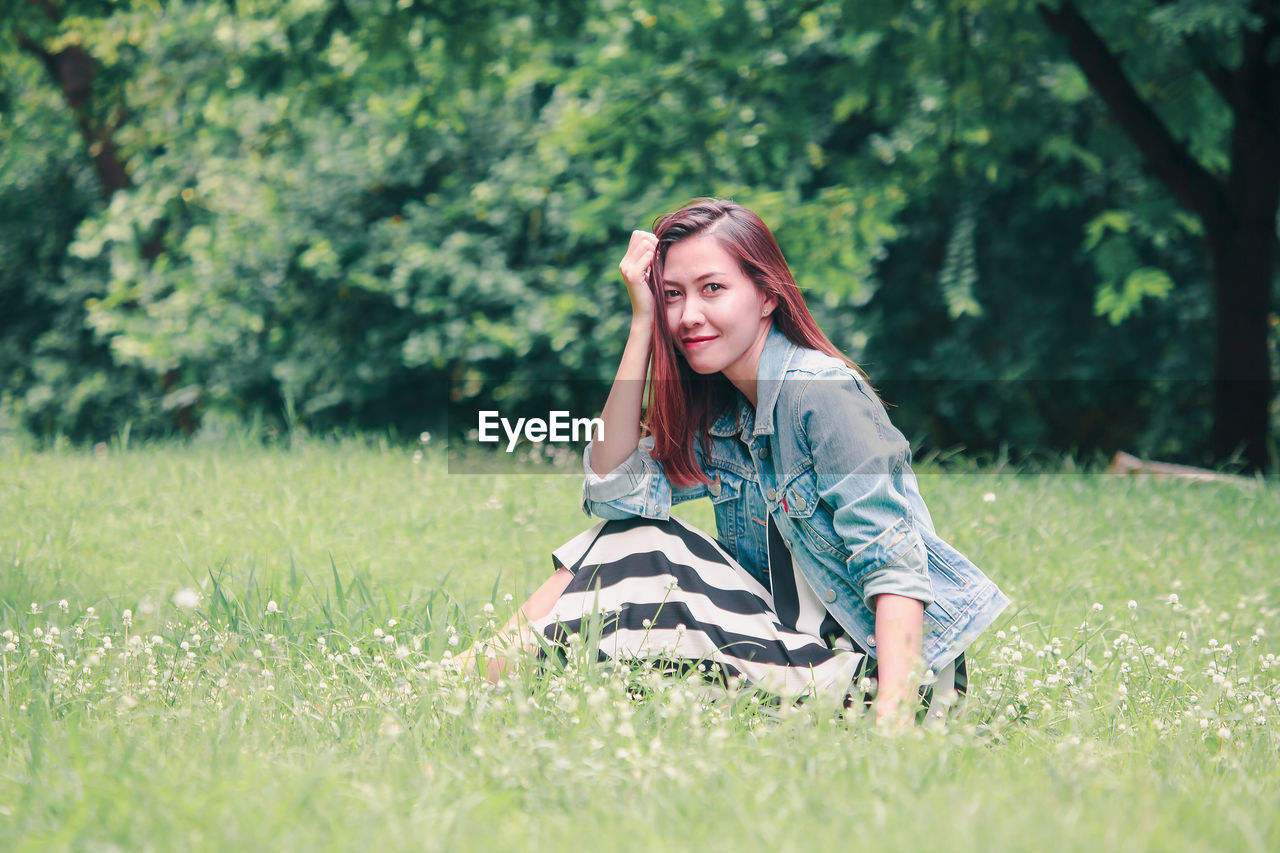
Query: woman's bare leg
{"type": "Point", "coordinates": [516, 633]}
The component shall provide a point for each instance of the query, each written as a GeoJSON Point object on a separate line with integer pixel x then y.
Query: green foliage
{"type": "Point", "coordinates": [1116, 305]}
{"type": "Point", "coordinates": [343, 213]}
{"type": "Point", "coordinates": [55, 376]}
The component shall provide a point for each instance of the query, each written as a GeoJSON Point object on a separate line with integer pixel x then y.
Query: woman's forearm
{"type": "Point", "coordinates": [621, 415]}
{"type": "Point", "coordinates": [899, 629]}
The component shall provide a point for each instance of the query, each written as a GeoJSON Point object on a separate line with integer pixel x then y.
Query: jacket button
{"type": "Point", "coordinates": [830, 597]}
{"type": "Point", "coordinates": [764, 451]}
{"type": "Point", "coordinates": [771, 494]}
{"type": "Point", "coordinates": [714, 487]}
{"type": "Point", "coordinates": [871, 642]}
{"type": "Point", "coordinates": [801, 504]}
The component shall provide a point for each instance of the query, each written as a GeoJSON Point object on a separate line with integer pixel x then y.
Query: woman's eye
{"type": "Point", "coordinates": [715, 285]}
{"type": "Point", "coordinates": [673, 294]}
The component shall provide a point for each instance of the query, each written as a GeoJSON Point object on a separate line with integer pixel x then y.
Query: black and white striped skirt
{"type": "Point", "coordinates": [664, 590]}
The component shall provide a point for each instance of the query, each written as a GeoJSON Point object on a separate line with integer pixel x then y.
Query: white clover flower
{"type": "Point", "coordinates": [507, 597]}
{"type": "Point", "coordinates": [425, 437]}
{"type": "Point", "coordinates": [10, 647]}
{"type": "Point", "coordinates": [453, 640]}
{"type": "Point", "coordinates": [35, 608]}
{"type": "Point", "coordinates": [272, 607]}
{"type": "Point", "coordinates": [1097, 607]}
{"type": "Point", "coordinates": [402, 652]}
{"type": "Point", "coordinates": [186, 599]}
{"type": "Point", "coordinates": [1173, 598]}
{"type": "Point", "coordinates": [127, 617]}
{"type": "Point", "coordinates": [1224, 733]}
{"type": "Point", "coordinates": [64, 605]}
{"type": "Point", "coordinates": [391, 623]}
{"type": "Point", "coordinates": [989, 498]}
{"type": "Point", "coordinates": [488, 608]}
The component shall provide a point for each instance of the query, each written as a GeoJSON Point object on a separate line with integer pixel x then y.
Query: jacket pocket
{"type": "Point", "coordinates": [725, 491]}
{"type": "Point", "coordinates": [801, 505]}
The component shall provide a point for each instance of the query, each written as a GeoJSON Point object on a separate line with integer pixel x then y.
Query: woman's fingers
{"type": "Point", "coordinates": [634, 266]}
{"type": "Point", "coordinates": [638, 257]}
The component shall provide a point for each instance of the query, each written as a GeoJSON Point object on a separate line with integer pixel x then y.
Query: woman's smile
{"type": "Point", "coordinates": [698, 342]}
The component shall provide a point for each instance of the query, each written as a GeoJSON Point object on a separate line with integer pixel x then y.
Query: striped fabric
{"type": "Point", "coordinates": [664, 589]}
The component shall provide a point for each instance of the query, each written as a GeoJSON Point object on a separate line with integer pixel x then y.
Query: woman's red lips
{"type": "Point", "coordinates": [699, 340]}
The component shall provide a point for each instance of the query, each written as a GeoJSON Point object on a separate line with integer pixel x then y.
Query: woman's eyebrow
{"type": "Point", "coordinates": [705, 275]}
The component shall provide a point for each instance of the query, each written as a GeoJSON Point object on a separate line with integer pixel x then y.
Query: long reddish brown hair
{"type": "Point", "coordinates": [683, 403]}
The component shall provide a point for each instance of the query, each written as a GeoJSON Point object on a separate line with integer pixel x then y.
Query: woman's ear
{"type": "Point", "coordinates": [770, 303]}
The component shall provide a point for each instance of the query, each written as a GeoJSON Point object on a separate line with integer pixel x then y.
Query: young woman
{"type": "Point", "coordinates": [826, 566]}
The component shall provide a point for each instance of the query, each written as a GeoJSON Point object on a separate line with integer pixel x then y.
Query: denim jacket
{"type": "Point", "coordinates": [819, 456]}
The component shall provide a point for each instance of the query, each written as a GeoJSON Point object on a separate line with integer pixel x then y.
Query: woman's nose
{"type": "Point", "coordinates": [692, 315]}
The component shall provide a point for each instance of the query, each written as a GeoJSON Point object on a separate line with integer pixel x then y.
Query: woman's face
{"type": "Point", "coordinates": [717, 316]}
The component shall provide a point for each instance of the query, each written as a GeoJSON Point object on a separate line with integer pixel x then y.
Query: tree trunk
{"type": "Point", "coordinates": [1242, 387]}
{"type": "Point", "coordinates": [1243, 246]}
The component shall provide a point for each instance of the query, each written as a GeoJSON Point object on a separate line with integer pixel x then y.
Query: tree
{"type": "Point", "coordinates": [1233, 186]}
{"type": "Point", "coordinates": [37, 26]}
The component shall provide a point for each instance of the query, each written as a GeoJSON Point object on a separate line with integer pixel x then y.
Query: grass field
{"type": "Point", "coordinates": [224, 646]}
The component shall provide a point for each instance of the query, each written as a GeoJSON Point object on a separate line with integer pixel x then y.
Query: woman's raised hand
{"type": "Point", "coordinates": [635, 266]}
{"type": "Point", "coordinates": [621, 413]}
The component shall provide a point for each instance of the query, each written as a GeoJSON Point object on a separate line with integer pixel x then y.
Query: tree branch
{"type": "Point", "coordinates": [1218, 75]}
{"type": "Point", "coordinates": [1256, 41]}
{"type": "Point", "coordinates": [1262, 59]}
{"type": "Point", "coordinates": [51, 11]}
{"type": "Point", "coordinates": [1168, 159]}
{"type": "Point", "coordinates": [73, 70]}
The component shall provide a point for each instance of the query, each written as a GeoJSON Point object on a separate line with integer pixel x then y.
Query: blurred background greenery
{"type": "Point", "coordinates": [1039, 226]}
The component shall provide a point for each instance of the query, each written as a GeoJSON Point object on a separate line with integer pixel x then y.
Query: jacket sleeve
{"type": "Point", "coordinates": [860, 462]}
{"type": "Point", "coordinates": [637, 487]}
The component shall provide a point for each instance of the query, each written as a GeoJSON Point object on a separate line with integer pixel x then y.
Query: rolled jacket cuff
{"type": "Point", "coordinates": [905, 573]}
{"type": "Point", "coordinates": [624, 479]}
{"type": "Point", "coordinates": [627, 490]}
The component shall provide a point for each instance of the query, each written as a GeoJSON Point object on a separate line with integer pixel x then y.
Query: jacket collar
{"type": "Point", "coordinates": [775, 358]}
